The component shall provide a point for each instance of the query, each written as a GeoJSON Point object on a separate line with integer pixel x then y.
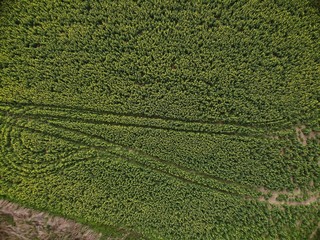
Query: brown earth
{"type": "Point", "coordinates": [315, 234]}
{"type": "Point", "coordinates": [303, 138]}
{"type": "Point", "coordinates": [17, 223]}
{"type": "Point", "coordinates": [312, 197]}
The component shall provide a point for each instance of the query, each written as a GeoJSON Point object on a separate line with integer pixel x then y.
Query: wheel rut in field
{"type": "Point", "coordinates": [77, 110]}
{"type": "Point", "coordinates": [142, 159]}
{"type": "Point", "coordinates": [132, 155]}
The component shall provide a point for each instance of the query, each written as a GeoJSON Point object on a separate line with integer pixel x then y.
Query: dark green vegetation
{"type": "Point", "coordinates": [175, 119]}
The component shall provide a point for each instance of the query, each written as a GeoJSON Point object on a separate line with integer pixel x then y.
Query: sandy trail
{"type": "Point", "coordinates": [22, 223]}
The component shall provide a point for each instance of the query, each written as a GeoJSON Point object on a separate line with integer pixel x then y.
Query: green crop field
{"type": "Point", "coordinates": [168, 119]}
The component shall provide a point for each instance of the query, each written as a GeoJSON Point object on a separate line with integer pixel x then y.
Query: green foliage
{"type": "Point", "coordinates": [162, 117]}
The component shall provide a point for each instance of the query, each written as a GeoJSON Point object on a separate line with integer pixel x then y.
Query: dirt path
{"type": "Point", "coordinates": [21, 223]}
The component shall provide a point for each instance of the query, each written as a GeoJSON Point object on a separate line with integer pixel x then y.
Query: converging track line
{"type": "Point", "coordinates": [110, 150]}
{"type": "Point", "coordinates": [78, 109]}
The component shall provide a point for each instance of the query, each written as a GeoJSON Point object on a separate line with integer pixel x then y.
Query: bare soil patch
{"type": "Point", "coordinates": [289, 197]}
{"type": "Point", "coordinates": [17, 223]}
{"type": "Point", "coordinates": [303, 138]}
{"type": "Point", "coordinates": [315, 234]}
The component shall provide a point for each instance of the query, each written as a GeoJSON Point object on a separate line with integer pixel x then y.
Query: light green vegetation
{"type": "Point", "coordinates": [173, 119]}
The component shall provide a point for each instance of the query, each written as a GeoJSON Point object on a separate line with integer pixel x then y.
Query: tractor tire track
{"type": "Point", "coordinates": [113, 123]}
{"type": "Point", "coordinates": [185, 171]}
{"type": "Point", "coordinates": [40, 169]}
{"type": "Point", "coordinates": [142, 153]}
{"type": "Point", "coordinates": [110, 151]}
{"type": "Point", "coordinates": [140, 116]}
